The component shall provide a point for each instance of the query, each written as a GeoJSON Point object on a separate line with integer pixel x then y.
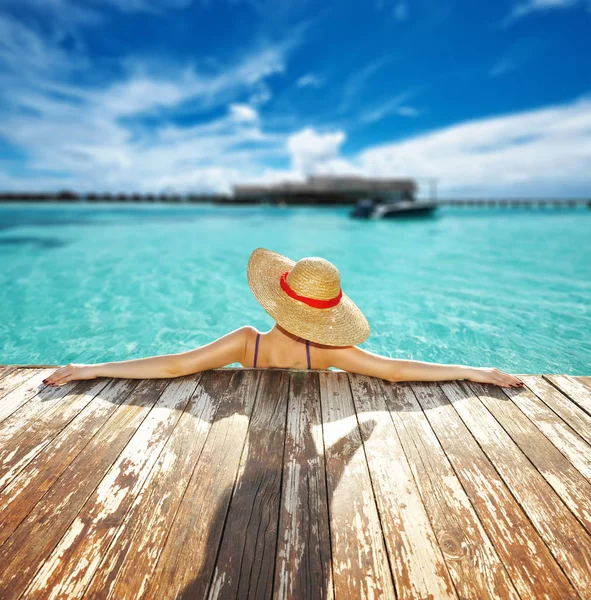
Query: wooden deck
{"type": "Point", "coordinates": [290, 484]}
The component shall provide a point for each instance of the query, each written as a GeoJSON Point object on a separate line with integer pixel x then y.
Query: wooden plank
{"type": "Point", "coordinates": [186, 563]}
{"type": "Point", "coordinates": [565, 438]}
{"type": "Point", "coordinates": [32, 403]}
{"type": "Point", "coordinates": [20, 388]}
{"type": "Point", "coordinates": [27, 548]}
{"type": "Point", "coordinates": [22, 448]}
{"type": "Point", "coordinates": [568, 482]}
{"type": "Point", "coordinates": [132, 556]}
{"type": "Point", "coordinates": [5, 370]}
{"type": "Point", "coordinates": [29, 486]}
{"type": "Point", "coordinates": [71, 565]}
{"type": "Point", "coordinates": [303, 566]}
{"type": "Point", "coordinates": [568, 541]}
{"type": "Point", "coordinates": [246, 557]}
{"type": "Point", "coordinates": [528, 561]}
{"type": "Point", "coordinates": [418, 565]}
{"type": "Point", "coordinates": [360, 559]}
{"type": "Point", "coordinates": [472, 560]}
{"type": "Point", "coordinates": [575, 390]}
{"type": "Point", "coordinates": [585, 380]}
{"type": "Point", "coordinates": [11, 378]}
{"type": "Point", "coordinates": [562, 405]}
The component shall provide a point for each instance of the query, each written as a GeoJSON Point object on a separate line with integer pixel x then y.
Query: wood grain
{"type": "Point", "coordinates": [568, 483]}
{"type": "Point", "coordinates": [417, 562]}
{"type": "Point", "coordinates": [532, 568]}
{"type": "Point", "coordinates": [186, 563]}
{"type": "Point", "coordinates": [25, 490]}
{"type": "Point", "coordinates": [128, 565]}
{"type": "Point", "coordinates": [26, 550]}
{"type": "Point", "coordinates": [11, 378]}
{"type": "Point", "coordinates": [71, 565]}
{"type": "Point", "coordinates": [562, 405]}
{"type": "Point", "coordinates": [572, 445]}
{"type": "Point", "coordinates": [33, 401]}
{"type": "Point", "coordinates": [5, 370]}
{"type": "Point", "coordinates": [246, 556]}
{"type": "Point", "coordinates": [475, 566]}
{"type": "Point", "coordinates": [360, 558]}
{"type": "Point", "coordinates": [578, 392]}
{"type": "Point", "coordinates": [19, 389]}
{"type": "Point", "coordinates": [568, 541]}
{"type": "Point", "coordinates": [25, 445]}
{"type": "Point", "coordinates": [303, 567]}
{"type": "Point", "coordinates": [289, 484]}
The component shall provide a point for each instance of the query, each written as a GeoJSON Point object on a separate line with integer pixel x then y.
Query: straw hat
{"type": "Point", "coordinates": [306, 299]}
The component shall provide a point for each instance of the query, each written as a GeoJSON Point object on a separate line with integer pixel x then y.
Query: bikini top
{"type": "Point", "coordinates": [256, 351]}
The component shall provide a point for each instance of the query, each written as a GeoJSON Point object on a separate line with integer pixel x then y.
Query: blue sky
{"type": "Point", "coordinates": [491, 98]}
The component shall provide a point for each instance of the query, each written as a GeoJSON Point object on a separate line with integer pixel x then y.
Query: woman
{"type": "Point", "coordinates": [309, 308]}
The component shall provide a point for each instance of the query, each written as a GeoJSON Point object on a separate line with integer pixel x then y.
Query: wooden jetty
{"type": "Point", "coordinates": [271, 483]}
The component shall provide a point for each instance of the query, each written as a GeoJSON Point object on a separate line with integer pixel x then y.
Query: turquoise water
{"type": "Point", "coordinates": [489, 287]}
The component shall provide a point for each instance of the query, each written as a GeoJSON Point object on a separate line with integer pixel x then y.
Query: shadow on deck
{"type": "Point", "coordinates": [293, 484]}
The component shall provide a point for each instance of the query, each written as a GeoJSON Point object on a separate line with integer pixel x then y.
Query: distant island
{"type": "Point", "coordinates": [316, 190]}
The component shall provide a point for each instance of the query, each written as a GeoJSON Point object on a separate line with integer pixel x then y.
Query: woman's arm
{"type": "Point", "coordinates": [226, 350]}
{"type": "Point", "coordinates": [357, 360]}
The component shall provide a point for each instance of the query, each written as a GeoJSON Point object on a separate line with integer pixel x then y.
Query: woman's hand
{"type": "Point", "coordinates": [494, 376]}
{"type": "Point", "coordinates": [70, 373]}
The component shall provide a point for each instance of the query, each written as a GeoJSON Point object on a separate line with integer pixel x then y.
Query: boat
{"type": "Point", "coordinates": [367, 208]}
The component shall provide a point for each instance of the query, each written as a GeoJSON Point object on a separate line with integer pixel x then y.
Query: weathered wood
{"type": "Point", "coordinates": [565, 438]}
{"type": "Point", "coordinates": [32, 403]}
{"type": "Point", "coordinates": [418, 565]}
{"type": "Point", "coordinates": [473, 562]}
{"type": "Point", "coordinates": [28, 547]}
{"type": "Point", "coordinates": [568, 483]}
{"type": "Point", "coordinates": [20, 388]}
{"type": "Point", "coordinates": [575, 390]}
{"type": "Point", "coordinates": [40, 432]}
{"type": "Point", "coordinates": [360, 559]}
{"type": "Point", "coordinates": [71, 565]}
{"type": "Point", "coordinates": [528, 561]}
{"type": "Point", "coordinates": [568, 541]}
{"type": "Point", "coordinates": [186, 563]}
{"type": "Point", "coordinates": [130, 560]}
{"type": "Point", "coordinates": [303, 568]}
{"type": "Point", "coordinates": [5, 370]}
{"type": "Point", "coordinates": [562, 405]}
{"type": "Point", "coordinates": [24, 491]}
{"type": "Point", "coordinates": [309, 485]}
{"type": "Point", "coordinates": [584, 380]}
{"type": "Point", "coordinates": [246, 558]}
{"type": "Point", "coordinates": [11, 378]}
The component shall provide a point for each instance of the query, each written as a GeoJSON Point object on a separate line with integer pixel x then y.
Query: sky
{"type": "Point", "coordinates": [489, 98]}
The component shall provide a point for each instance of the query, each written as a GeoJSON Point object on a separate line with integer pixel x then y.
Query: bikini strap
{"type": "Point", "coordinates": [256, 350]}
{"type": "Point", "coordinates": [308, 353]}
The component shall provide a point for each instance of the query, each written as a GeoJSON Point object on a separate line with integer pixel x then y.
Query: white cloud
{"type": "Point", "coordinates": [357, 82]}
{"type": "Point", "coordinates": [395, 105]}
{"type": "Point", "coordinates": [242, 112]}
{"type": "Point", "coordinates": [545, 151]}
{"type": "Point", "coordinates": [310, 80]}
{"type": "Point", "coordinates": [309, 148]}
{"type": "Point", "coordinates": [531, 6]}
{"type": "Point", "coordinates": [92, 137]}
